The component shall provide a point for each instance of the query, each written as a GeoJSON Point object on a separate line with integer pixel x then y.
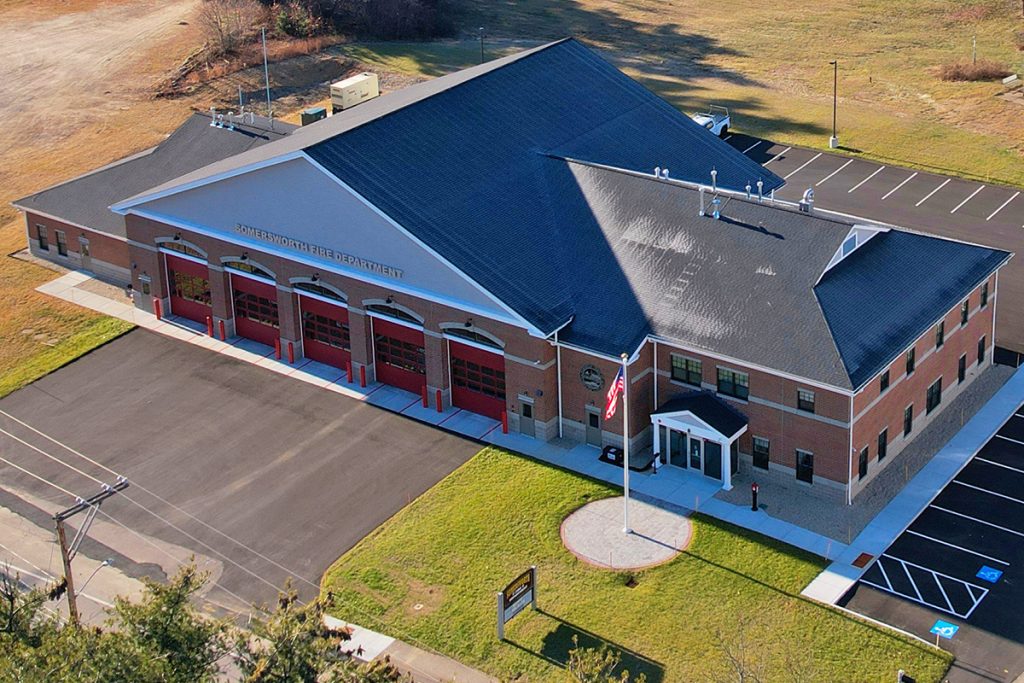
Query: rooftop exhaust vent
{"type": "Point", "coordinates": [807, 203]}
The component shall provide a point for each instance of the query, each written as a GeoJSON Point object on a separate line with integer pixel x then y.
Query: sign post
{"type": "Point", "coordinates": [522, 591]}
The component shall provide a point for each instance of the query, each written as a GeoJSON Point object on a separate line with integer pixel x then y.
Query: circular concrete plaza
{"type": "Point", "coordinates": [594, 533]}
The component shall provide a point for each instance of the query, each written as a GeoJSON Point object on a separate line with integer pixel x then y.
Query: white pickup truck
{"type": "Point", "coordinates": [716, 120]}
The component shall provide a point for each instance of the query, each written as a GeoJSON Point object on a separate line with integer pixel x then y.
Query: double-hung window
{"type": "Point", "coordinates": [44, 240]}
{"type": "Point", "coordinates": [805, 400]}
{"type": "Point", "coordinates": [732, 383]}
{"type": "Point", "coordinates": [934, 395]}
{"type": "Point", "coordinates": [940, 334]}
{"type": "Point", "coordinates": [686, 370]}
{"type": "Point", "coordinates": [911, 360]}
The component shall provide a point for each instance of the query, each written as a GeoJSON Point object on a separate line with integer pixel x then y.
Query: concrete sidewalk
{"type": "Point", "coordinates": [673, 487]}
{"type": "Point", "coordinates": [841, 575]}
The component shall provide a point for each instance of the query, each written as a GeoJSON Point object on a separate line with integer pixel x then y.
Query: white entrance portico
{"type": "Point", "coordinates": [699, 431]}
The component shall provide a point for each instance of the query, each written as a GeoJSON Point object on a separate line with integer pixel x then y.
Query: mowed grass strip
{"type": "Point", "coordinates": [431, 573]}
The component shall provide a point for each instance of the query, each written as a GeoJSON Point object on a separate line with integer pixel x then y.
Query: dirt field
{"type": "Point", "coordinates": [74, 81]}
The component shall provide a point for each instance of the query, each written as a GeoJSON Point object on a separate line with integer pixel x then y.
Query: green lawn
{"type": "Point", "coordinates": [88, 334]}
{"type": "Point", "coordinates": [450, 550]}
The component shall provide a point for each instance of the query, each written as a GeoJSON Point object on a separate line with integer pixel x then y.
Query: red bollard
{"type": "Point", "coordinates": [158, 309]}
{"type": "Point", "coordinates": [439, 408]}
{"type": "Point", "coordinates": [277, 349]}
{"type": "Point", "coordinates": [291, 353]}
{"type": "Point", "coordinates": [362, 375]}
{"type": "Point", "coordinates": [504, 422]}
{"type": "Point", "coordinates": [348, 371]}
{"type": "Point", "coordinates": [423, 395]}
{"type": "Point", "coordinates": [223, 334]}
{"type": "Point", "coordinates": [209, 326]}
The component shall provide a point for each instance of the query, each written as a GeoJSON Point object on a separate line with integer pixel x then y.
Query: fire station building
{"type": "Point", "coordinates": [498, 237]}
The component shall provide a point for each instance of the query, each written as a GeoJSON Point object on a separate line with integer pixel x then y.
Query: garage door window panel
{"type": "Point", "coordinates": [400, 354]}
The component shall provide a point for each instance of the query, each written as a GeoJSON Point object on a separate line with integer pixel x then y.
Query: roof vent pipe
{"type": "Point", "coordinates": [657, 171]}
{"type": "Point", "coordinates": [716, 204]}
{"type": "Point", "coordinates": [748, 190]}
{"type": "Point", "coordinates": [760, 191]}
{"type": "Point", "coordinates": [807, 203]}
{"type": "Point", "coordinates": [213, 116]}
{"type": "Point", "coordinates": [664, 174]}
{"type": "Point", "coordinates": [701, 192]}
{"type": "Point", "coordinates": [714, 180]}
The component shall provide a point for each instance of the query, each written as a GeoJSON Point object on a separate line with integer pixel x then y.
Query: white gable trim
{"type": "Point", "coordinates": [521, 320]}
{"type": "Point", "coordinates": [858, 236]}
{"type": "Point", "coordinates": [331, 267]}
{"type": "Point", "coordinates": [123, 206]}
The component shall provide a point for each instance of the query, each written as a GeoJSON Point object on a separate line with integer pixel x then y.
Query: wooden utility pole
{"type": "Point", "coordinates": [69, 581]}
{"type": "Point", "coordinates": [68, 550]}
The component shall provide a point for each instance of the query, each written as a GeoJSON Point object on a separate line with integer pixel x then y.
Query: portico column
{"type": "Point", "coordinates": [657, 436]}
{"type": "Point", "coordinates": [726, 464]}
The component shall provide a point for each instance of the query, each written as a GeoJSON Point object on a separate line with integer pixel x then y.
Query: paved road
{"type": "Point", "coordinates": [960, 562]}
{"type": "Point", "coordinates": [285, 469]}
{"type": "Point", "coordinates": [982, 213]}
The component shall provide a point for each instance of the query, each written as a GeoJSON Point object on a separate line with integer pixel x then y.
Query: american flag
{"type": "Point", "coordinates": [617, 387]}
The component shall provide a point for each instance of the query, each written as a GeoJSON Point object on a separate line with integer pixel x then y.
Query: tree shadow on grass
{"type": "Point", "coordinates": [558, 642]}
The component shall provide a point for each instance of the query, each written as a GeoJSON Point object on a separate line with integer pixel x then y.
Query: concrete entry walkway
{"type": "Point", "coordinates": [594, 534]}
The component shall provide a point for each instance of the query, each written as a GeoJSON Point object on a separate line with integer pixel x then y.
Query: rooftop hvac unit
{"type": "Point", "coordinates": [352, 91]}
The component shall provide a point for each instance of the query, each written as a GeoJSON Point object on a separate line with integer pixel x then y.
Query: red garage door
{"type": "Point", "coordinates": [478, 379]}
{"type": "Point", "coordinates": [190, 288]}
{"type": "Point", "coordinates": [400, 359]}
{"type": "Point", "coordinates": [255, 309]}
{"type": "Point", "coordinates": [325, 333]}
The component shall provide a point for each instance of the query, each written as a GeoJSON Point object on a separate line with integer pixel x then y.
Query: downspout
{"type": "Point", "coordinates": [655, 374]}
{"type": "Point", "coordinates": [558, 369]}
{"type": "Point", "coordinates": [995, 302]}
{"type": "Point", "coordinates": [849, 459]}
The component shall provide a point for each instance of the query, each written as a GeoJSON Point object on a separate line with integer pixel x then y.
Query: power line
{"type": "Point", "coordinates": [355, 609]}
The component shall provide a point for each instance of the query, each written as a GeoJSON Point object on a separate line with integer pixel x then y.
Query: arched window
{"type": "Point", "coordinates": [470, 334]}
{"type": "Point", "coordinates": [394, 312]}
{"type": "Point", "coordinates": [249, 267]}
{"type": "Point", "coordinates": [319, 290]}
{"type": "Point", "coordinates": [182, 248]}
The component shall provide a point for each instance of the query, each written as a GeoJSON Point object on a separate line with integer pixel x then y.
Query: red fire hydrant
{"type": "Point", "coordinates": [753, 496]}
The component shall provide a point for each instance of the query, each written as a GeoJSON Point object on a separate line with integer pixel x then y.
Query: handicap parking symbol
{"type": "Point", "coordinates": [989, 574]}
{"type": "Point", "coordinates": [945, 629]}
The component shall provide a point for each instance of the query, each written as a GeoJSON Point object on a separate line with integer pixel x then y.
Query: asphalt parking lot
{"type": "Point", "coordinates": [982, 213]}
{"type": "Point", "coordinates": [957, 572]}
{"type": "Point", "coordinates": [269, 476]}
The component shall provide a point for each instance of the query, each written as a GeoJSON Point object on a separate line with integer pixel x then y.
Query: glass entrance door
{"type": "Point", "coordinates": [677, 448]}
{"type": "Point", "coordinates": [695, 453]}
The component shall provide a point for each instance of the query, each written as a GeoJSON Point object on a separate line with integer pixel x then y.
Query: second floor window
{"type": "Point", "coordinates": [805, 400]}
{"type": "Point", "coordinates": [984, 295]}
{"type": "Point", "coordinates": [732, 383]}
{"type": "Point", "coordinates": [687, 370]}
{"type": "Point", "coordinates": [940, 334]}
{"type": "Point", "coordinates": [965, 311]}
{"type": "Point", "coordinates": [911, 356]}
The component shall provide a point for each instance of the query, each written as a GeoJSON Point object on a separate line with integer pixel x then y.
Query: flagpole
{"type": "Point", "coordinates": [625, 440]}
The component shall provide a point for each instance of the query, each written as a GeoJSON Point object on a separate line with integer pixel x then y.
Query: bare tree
{"type": "Point", "coordinates": [227, 24]}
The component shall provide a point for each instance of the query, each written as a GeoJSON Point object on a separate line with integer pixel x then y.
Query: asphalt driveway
{"type": "Point", "coordinates": [276, 476]}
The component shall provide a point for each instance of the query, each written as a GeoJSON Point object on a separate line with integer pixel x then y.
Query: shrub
{"type": "Point", "coordinates": [228, 24]}
{"type": "Point", "coordinates": [982, 70]}
{"type": "Point", "coordinates": [297, 19]}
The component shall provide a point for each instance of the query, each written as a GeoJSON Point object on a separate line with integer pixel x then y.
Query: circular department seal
{"type": "Point", "coordinates": [591, 377]}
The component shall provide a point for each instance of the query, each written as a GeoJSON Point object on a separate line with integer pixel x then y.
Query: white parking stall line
{"type": "Point", "coordinates": [969, 198]}
{"type": "Point", "coordinates": [728, 137]}
{"type": "Point", "coordinates": [834, 172]}
{"type": "Point", "coordinates": [928, 196]}
{"type": "Point", "coordinates": [753, 146]}
{"type": "Point", "coordinates": [1006, 438]}
{"type": "Point", "coordinates": [777, 156]}
{"type": "Point", "coordinates": [991, 493]}
{"type": "Point", "coordinates": [877, 171]}
{"type": "Point", "coordinates": [998, 464]}
{"type": "Point", "coordinates": [803, 166]}
{"type": "Point", "coordinates": [1002, 206]}
{"type": "Point", "coordinates": [957, 547]}
{"type": "Point", "coordinates": [905, 181]}
{"type": "Point", "coordinates": [913, 584]}
{"type": "Point", "coordinates": [979, 521]}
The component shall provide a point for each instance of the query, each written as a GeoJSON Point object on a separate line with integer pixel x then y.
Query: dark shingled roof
{"type": "Point", "coordinates": [465, 170]}
{"type": "Point", "coordinates": [895, 288]}
{"type": "Point", "coordinates": [645, 263]}
{"type": "Point", "coordinates": [722, 417]}
{"type": "Point", "coordinates": [85, 200]}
